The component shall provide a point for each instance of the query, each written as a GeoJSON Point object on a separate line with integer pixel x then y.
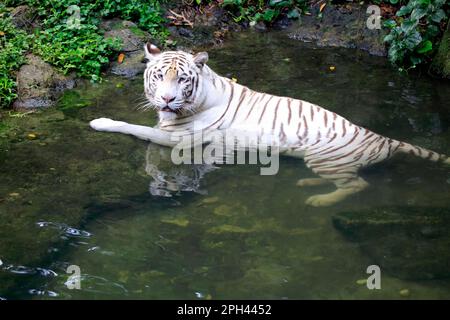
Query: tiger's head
{"type": "Point", "coordinates": [172, 81]}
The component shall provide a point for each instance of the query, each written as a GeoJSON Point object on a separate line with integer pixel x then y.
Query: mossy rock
{"type": "Point", "coordinates": [409, 243]}
{"type": "Point", "coordinates": [441, 61]}
{"type": "Point", "coordinates": [131, 37]}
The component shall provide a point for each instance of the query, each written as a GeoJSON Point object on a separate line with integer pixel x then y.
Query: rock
{"type": "Point", "coordinates": [132, 65]}
{"type": "Point", "coordinates": [209, 26]}
{"type": "Point", "coordinates": [340, 26]}
{"type": "Point", "coordinates": [409, 243]}
{"type": "Point", "coordinates": [130, 35]}
{"type": "Point", "coordinates": [39, 85]}
{"type": "Point", "coordinates": [185, 32]}
{"type": "Point", "coordinates": [260, 26]}
{"type": "Point", "coordinates": [212, 16]}
{"type": "Point", "coordinates": [282, 23]}
{"type": "Point", "coordinates": [441, 61]}
{"type": "Point", "coordinates": [23, 17]}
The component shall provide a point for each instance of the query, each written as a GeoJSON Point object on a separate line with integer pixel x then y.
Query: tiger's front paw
{"type": "Point", "coordinates": [106, 124]}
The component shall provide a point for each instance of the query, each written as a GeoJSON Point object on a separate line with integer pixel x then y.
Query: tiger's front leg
{"type": "Point", "coordinates": [141, 132]}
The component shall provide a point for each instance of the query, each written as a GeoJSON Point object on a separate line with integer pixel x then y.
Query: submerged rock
{"type": "Point", "coordinates": [340, 26]}
{"type": "Point", "coordinates": [39, 85]}
{"type": "Point", "coordinates": [409, 243]}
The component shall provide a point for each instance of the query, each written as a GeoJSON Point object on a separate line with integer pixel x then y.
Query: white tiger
{"type": "Point", "coordinates": [188, 94]}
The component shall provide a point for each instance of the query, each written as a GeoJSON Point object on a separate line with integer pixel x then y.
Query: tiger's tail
{"type": "Point", "coordinates": [417, 151]}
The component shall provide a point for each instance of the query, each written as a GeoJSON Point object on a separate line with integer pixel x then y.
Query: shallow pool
{"type": "Point", "coordinates": [72, 196]}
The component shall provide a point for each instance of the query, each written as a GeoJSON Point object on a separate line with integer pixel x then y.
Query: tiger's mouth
{"type": "Point", "coordinates": [168, 109]}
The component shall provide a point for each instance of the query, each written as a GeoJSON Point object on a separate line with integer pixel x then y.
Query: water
{"type": "Point", "coordinates": [73, 196]}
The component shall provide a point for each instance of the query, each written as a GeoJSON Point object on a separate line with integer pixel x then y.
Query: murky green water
{"type": "Point", "coordinates": [72, 196]}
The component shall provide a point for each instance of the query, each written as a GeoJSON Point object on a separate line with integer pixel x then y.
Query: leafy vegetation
{"type": "Point", "coordinates": [261, 10]}
{"type": "Point", "coordinates": [13, 44]}
{"type": "Point", "coordinates": [415, 31]}
{"type": "Point", "coordinates": [69, 37]}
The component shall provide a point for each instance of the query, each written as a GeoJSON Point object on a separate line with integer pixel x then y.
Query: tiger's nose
{"type": "Point", "coordinates": [168, 99]}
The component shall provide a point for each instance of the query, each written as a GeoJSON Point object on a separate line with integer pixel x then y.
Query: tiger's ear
{"type": "Point", "coordinates": [200, 59]}
{"type": "Point", "coordinates": [151, 51]}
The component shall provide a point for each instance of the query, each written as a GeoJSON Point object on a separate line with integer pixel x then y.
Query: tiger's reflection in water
{"type": "Point", "coordinates": [169, 179]}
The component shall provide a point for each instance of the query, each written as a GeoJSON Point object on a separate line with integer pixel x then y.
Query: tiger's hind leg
{"type": "Point", "coordinates": [343, 190]}
{"type": "Point", "coordinates": [343, 176]}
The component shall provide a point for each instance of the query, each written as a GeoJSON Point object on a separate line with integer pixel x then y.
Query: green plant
{"type": "Point", "coordinates": [414, 31]}
{"type": "Point", "coordinates": [13, 45]}
{"type": "Point", "coordinates": [13, 3]}
{"type": "Point", "coordinates": [69, 37]}
{"type": "Point", "coordinates": [147, 13]}
{"type": "Point", "coordinates": [82, 48]}
{"type": "Point", "coordinates": [267, 11]}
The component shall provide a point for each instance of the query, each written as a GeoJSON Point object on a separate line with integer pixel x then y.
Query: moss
{"type": "Point", "coordinates": [138, 32]}
{"type": "Point", "coordinates": [441, 61]}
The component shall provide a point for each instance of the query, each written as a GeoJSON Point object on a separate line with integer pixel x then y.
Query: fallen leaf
{"type": "Point", "coordinates": [404, 292]}
{"type": "Point", "coordinates": [332, 68]}
{"type": "Point", "coordinates": [322, 6]}
{"type": "Point", "coordinates": [2, 33]}
{"type": "Point", "coordinates": [120, 58]}
{"type": "Point", "coordinates": [31, 136]}
{"type": "Point", "coordinates": [14, 194]}
{"type": "Point", "coordinates": [234, 79]}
